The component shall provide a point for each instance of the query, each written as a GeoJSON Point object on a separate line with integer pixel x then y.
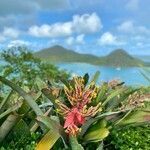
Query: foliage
{"type": "Point", "coordinates": [21, 143]}
{"type": "Point", "coordinates": [77, 110]}
{"type": "Point", "coordinates": [20, 65]}
{"type": "Point", "coordinates": [130, 138]}
{"type": "Point", "coordinates": [59, 54]}
{"type": "Point", "coordinates": [66, 113]}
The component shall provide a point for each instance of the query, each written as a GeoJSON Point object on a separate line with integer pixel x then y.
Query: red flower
{"type": "Point", "coordinates": [79, 97]}
{"type": "Point", "coordinates": [73, 119]}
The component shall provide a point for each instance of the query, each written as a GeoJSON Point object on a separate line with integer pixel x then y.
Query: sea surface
{"type": "Point", "coordinates": [130, 75]}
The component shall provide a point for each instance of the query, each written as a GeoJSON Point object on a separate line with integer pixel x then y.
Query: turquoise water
{"type": "Point", "coordinates": [131, 75]}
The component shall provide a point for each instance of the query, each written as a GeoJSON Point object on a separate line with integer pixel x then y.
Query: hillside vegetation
{"type": "Point", "coordinates": [120, 58]}
{"type": "Point", "coordinates": [60, 54]}
{"type": "Point", "coordinates": [117, 58]}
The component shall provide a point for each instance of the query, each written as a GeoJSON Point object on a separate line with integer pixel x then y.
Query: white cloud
{"type": "Point", "coordinates": [80, 39]}
{"type": "Point", "coordinates": [126, 26]}
{"type": "Point", "coordinates": [130, 27]}
{"type": "Point", "coordinates": [132, 5]}
{"type": "Point", "coordinates": [55, 30]}
{"type": "Point", "coordinates": [87, 23]}
{"type": "Point", "coordinates": [18, 43]}
{"type": "Point", "coordinates": [84, 24]}
{"type": "Point", "coordinates": [10, 32]}
{"type": "Point", "coordinates": [75, 40]}
{"type": "Point", "coordinates": [107, 39]}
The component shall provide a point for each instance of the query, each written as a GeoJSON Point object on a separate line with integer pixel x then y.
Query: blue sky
{"type": "Point", "coordinates": [86, 26]}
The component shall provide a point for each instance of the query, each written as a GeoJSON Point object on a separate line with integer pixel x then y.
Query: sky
{"type": "Point", "coordinates": [85, 26]}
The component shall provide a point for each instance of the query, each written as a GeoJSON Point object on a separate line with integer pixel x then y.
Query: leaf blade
{"type": "Point", "coordinates": [74, 143]}
{"type": "Point", "coordinates": [48, 141]}
{"type": "Point", "coordinates": [26, 96]}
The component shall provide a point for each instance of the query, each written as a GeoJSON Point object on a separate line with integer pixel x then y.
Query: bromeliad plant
{"type": "Point", "coordinates": [79, 109]}
{"type": "Point", "coordinates": [84, 112]}
{"type": "Point", "coordinates": [87, 112]}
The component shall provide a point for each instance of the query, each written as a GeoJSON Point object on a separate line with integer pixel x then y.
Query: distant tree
{"type": "Point", "coordinates": [21, 66]}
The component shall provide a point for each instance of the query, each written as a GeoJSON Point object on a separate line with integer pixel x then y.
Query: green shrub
{"type": "Point", "coordinates": [83, 114]}
{"type": "Point", "coordinates": [20, 65]}
{"type": "Point", "coordinates": [27, 143]}
{"type": "Point", "coordinates": [130, 138]}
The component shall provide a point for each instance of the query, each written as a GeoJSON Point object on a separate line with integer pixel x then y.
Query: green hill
{"type": "Point", "coordinates": [120, 58]}
{"type": "Point", "coordinates": [117, 58]}
{"type": "Point", "coordinates": [60, 54]}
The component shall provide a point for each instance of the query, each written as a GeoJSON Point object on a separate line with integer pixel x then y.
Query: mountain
{"type": "Point", "coordinates": [60, 54]}
{"type": "Point", "coordinates": [117, 58]}
{"type": "Point", "coordinates": [120, 58]}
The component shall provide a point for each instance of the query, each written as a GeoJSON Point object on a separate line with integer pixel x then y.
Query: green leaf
{"type": "Point", "coordinates": [20, 131]}
{"type": "Point", "coordinates": [22, 93]}
{"type": "Point", "coordinates": [86, 78]}
{"type": "Point", "coordinates": [5, 100]}
{"type": "Point", "coordinates": [118, 121]}
{"type": "Point", "coordinates": [55, 132]}
{"type": "Point", "coordinates": [74, 143]}
{"type": "Point", "coordinates": [48, 93]}
{"type": "Point", "coordinates": [98, 117]}
{"type": "Point", "coordinates": [97, 132]}
{"type": "Point", "coordinates": [24, 108]}
{"type": "Point", "coordinates": [95, 77]}
{"type": "Point", "coordinates": [112, 95]}
{"type": "Point", "coordinates": [50, 123]}
{"type": "Point", "coordinates": [40, 83]}
{"type": "Point", "coordinates": [141, 115]}
{"type": "Point", "coordinates": [102, 93]}
{"type": "Point", "coordinates": [7, 125]}
{"type": "Point", "coordinates": [138, 116]}
{"type": "Point", "coordinates": [48, 141]}
{"type": "Point", "coordinates": [97, 135]}
{"type": "Point", "coordinates": [53, 124]}
{"type": "Point", "coordinates": [11, 109]}
{"type": "Point", "coordinates": [108, 114]}
{"type": "Point", "coordinates": [65, 82]}
{"type": "Point", "coordinates": [34, 123]}
{"type": "Point", "coordinates": [85, 126]}
{"type": "Point", "coordinates": [100, 147]}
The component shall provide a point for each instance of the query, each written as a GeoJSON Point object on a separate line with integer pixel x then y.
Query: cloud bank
{"type": "Point", "coordinates": [80, 24]}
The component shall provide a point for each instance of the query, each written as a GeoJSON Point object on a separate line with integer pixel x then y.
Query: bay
{"type": "Point", "coordinates": [130, 75]}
